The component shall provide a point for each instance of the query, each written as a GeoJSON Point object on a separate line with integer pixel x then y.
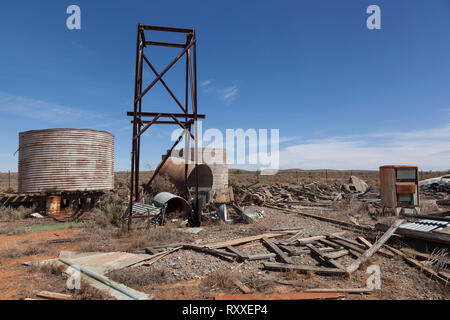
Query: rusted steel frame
{"type": "Point", "coordinates": [161, 164]}
{"type": "Point", "coordinates": [196, 129]}
{"type": "Point", "coordinates": [165, 44]}
{"type": "Point", "coordinates": [186, 189]}
{"type": "Point", "coordinates": [134, 142]}
{"type": "Point", "coordinates": [138, 151]}
{"type": "Point", "coordinates": [142, 32]}
{"type": "Point", "coordinates": [146, 127]}
{"type": "Point", "coordinates": [165, 122]}
{"type": "Point", "coordinates": [164, 83]}
{"type": "Point", "coordinates": [194, 108]}
{"type": "Point", "coordinates": [166, 115]}
{"type": "Point", "coordinates": [165, 70]}
{"type": "Point", "coordinates": [182, 126]}
{"type": "Point", "coordinates": [169, 29]}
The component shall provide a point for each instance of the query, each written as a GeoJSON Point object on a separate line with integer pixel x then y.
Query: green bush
{"type": "Point", "coordinates": [10, 213]}
{"type": "Point", "coordinates": [110, 209]}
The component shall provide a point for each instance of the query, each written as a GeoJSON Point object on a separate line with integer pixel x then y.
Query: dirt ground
{"type": "Point", "coordinates": [188, 274]}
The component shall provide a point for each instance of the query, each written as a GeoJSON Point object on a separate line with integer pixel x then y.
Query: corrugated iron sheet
{"type": "Point", "coordinates": [425, 225]}
{"type": "Point", "coordinates": [56, 160]}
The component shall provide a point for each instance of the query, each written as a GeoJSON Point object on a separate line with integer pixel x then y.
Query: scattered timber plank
{"type": "Point", "coordinates": [233, 242]}
{"type": "Point", "coordinates": [54, 295]}
{"type": "Point", "coordinates": [217, 252]}
{"type": "Point", "coordinates": [300, 267]}
{"type": "Point", "coordinates": [342, 290]}
{"type": "Point", "coordinates": [156, 257]}
{"type": "Point", "coordinates": [238, 253]}
{"type": "Point", "coordinates": [349, 246]}
{"type": "Point", "coordinates": [423, 268]}
{"type": "Point", "coordinates": [427, 236]}
{"type": "Point", "coordinates": [333, 262]}
{"type": "Point", "coordinates": [282, 255]}
{"type": "Point", "coordinates": [241, 286]}
{"type": "Point", "coordinates": [381, 250]}
{"type": "Point", "coordinates": [377, 245]}
{"type": "Point", "coordinates": [362, 246]}
{"type": "Point", "coordinates": [416, 254]}
{"type": "Point", "coordinates": [331, 244]}
{"type": "Point", "coordinates": [261, 256]}
{"type": "Point", "coordinates": [317, 238]}
{"type": "Point", "coordinates": [335, 254]}
{"type": "Point", "coordinates": [294, 237]}
{"type": "Point", "coordinates": [282, 296]}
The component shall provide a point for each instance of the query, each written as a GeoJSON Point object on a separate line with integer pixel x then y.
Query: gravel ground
{"type": "Point", "coordinates": [399, 281]}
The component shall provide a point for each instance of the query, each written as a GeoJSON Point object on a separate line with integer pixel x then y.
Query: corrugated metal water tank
{"type": "Point", "coordinates": [56, 160]}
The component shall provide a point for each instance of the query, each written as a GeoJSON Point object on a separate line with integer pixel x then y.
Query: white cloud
{"type": "Point", "coordinates": [41, 110]}
{"type": "Point", "coordinates": [228, 94]}
{"type": "Point", "coordinates": [427, 148]}
{"type": "Point", "coordinates": [206, 83]}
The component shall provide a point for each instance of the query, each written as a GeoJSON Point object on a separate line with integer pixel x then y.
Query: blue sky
{"type": "Point", "coordinates": [342, 96]}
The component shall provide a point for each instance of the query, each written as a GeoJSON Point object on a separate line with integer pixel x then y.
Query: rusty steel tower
{"type": "Point", "coordinates": [185, 119]}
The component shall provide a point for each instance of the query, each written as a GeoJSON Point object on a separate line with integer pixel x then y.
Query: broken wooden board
{"type": "Point", "coordinates": [335, 254]}
{"type": "Point", "coordinates": [233, 242]}
{"type": "Point", "coordinates": [238, 253]}
{"type": "Point", "coordinates": [54, 295]}
{"type": "Point", "coordinates": [318, 238]}
{"type": "Point", "coordinates": [241, 286]}
{"type": "Point", "coordinates": [423, 268]}
{"type": "Point", "coordinates": [323, 257]}
{"type": "Point", "coordinates": [381, 250]}
{"type": "Point", "coordinates": [282, 255]}
{"type": "Point", "coordinates": [223, 254]}
{"type": "Point", "coordinates": [301, 267]}
{"type": "Point", "coordinates": [376, 246]}
{"type": "Point", "coordinates": [282, 296]}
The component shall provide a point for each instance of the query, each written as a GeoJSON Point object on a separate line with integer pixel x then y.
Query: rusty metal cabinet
{"type": "Point", "coordinates": [399, 188]}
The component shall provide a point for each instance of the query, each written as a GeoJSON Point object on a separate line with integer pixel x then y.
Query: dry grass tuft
{"type": "Point", "coordinates": [13, 214]}
{"type": "Point", "coordinates": [162, 183]}
{"type": "Point", "coordinates": [138, 280]}
{"type": "Point", "coordinates": [86, 292]}
{"type": "Point", "coordinates": [221, 280]}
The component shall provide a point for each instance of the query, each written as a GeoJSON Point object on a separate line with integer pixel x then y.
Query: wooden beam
{"type": "Point", "coordinates": [333, 262]}
{"type": "Point", "coordinates": [240, 255]}
{"type": "Point", "coordinates": [377, 245]}
{"type": "Point", "coordinates": [381, 251]}
{"type": "Point", "coordinates": [224, 244]}
{"type": "Point", "coordinates": [282, 296]}
{"type": "Point", "coordinates": [300, 267]}
{"type": "Point", "coordinates": [54, 295]}
{"type": "Point", "coordinates": [423, 268]}
{"type": "Point", "coordinates": [282, 255]}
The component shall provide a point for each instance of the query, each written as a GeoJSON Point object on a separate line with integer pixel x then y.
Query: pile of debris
{"type": "Point", "coordinates": [286, 195]}
{"type": "Point", "coordinates": [438, 187]}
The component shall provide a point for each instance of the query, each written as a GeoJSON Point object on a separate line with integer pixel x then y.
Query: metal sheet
{"type": "Point", "coordinates": [103, 263]}
{"type": "Point", "coordinates": [56, 160]}
{"type": "Point", "coordinates": [424, 225]}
